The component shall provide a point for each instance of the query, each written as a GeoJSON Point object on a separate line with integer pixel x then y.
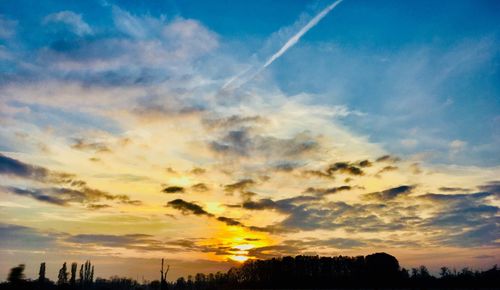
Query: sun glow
{"type": "Point", "coordinates": [240, 259]}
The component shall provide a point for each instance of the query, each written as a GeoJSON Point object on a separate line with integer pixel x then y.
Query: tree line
{"type": "Point", "coordinates": [379, 270]}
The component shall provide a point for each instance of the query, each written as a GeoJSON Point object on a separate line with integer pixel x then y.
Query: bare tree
{"type": "Point", "coordinates": [163, 275]}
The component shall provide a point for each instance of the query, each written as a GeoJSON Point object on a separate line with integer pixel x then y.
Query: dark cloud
{"type": "Point", "coordinates": [453, 189]}
{"type": "Point", "coordinates": [388, 158]}
{"type": "Point", "coordinates": [465, 219]}
{"type": "Point", "coordinates": [37, 194]}
{"type": "Point", "coordinates": [238, 186]}
{"type": "Point", "coordinates": [188, 207]}
{"type": "Point", "coordinates": [348, 168]}
{"type": "Point", "coordinates": [229, 221]}
{"type": "Point", "coordinates": [21, 237]}
{"type": "Point", "coordinates": [98, 206]}
{"type": "Point", "coordinates": [243, 143]}
{"type": "Point", "coordinates": [171, 170]}
{"type": "Point", "coordinates": [85, 145]}
{"type": "Point", "coordinates": [391, 193]}
{"type": "Point", "coordinates": [247, 195]}
{"type": "Point", "coordinates": [386, 169]}
{"type": "Point", "coordinates": [262, 204]}
{"type": "Point", "coordinates": [463, 197]}
{"type": "Point", "coordinates": [233, 121]}
{"type": "Point", "coordinates": [492, 187]}
{"type": "Point", "coordinates": [10, 166]}
{"type": "Point", "coordinates": [198, 171]}
{"type": "Point", "coordinates": [64, 196]}
{"type": "Point", "coordinates": [365, 163]}
{"type": "Point", "coordinates": [173, 189]}
{"type": "Point", "coordinates": [482, 235]}
{"type": "Point", "coordinates": [326, 191]}
{"type": "Point", "coordinates": [345, 168]}
{"type": "Point", "coordinates": [234, 142]}
{"type": "Point", "coordinates": [76, 192]}
{"type": "Point", "coordinates": [201, 187]}
{"type": "Point", "coordinates": [286, 166]}
{"type": "Point", "coordinates": [140, 242]}
{"type": "Point", "coordinates": [317, 173]}
{"type": "Point", "coordinates": [192, 208]}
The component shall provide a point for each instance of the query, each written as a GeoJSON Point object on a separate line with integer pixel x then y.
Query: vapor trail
{"type": "Point", "coordinates": [244, 77]}
{"type": "Point", "coordinates": [294, 39]}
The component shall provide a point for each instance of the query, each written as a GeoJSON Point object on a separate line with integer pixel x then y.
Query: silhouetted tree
{"type": "Point", "coordinates": [163, 275]}
{"type": "Point", "coordinates": [378, 270]}
{"type": "Point", "coordinates": [62, 278]}
{"type": "Point", "coordinates": [16, 274]}
{"type": "Point", "coordinates": [81, 280]}
{"type": "Point", "coordinates": [382, 268]}
{"type": "Point", "coordinates": [444, 272]}
{"type": "Point", "coordinates": [41, 274]}
{"type": "Point", "coordinates": [72, 280]}
{"type": "Point", "coordinates": [86, 274]}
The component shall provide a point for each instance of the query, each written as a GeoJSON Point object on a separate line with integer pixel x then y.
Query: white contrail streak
{"type": "Point", "coordinates": [243, 78]}
{"type": "Point", "coordinates": [292, 41]}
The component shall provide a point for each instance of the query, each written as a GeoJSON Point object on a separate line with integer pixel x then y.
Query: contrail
{"type": "Point", "coordinates": [292, 41]}
{"type": "Point", "coordinates": [241, 79]}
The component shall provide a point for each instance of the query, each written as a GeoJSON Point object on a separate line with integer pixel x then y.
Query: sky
{"type": "Point", "coordinates": [212, 132]}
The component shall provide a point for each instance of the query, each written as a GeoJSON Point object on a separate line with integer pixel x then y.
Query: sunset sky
{"type": "Point", "coordinates": [211, 132]}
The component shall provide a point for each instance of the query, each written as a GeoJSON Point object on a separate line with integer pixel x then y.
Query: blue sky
{"type": "Point", "coordinates": [377, 131]}
{"type": "Point", "coordinates": [442, 55]}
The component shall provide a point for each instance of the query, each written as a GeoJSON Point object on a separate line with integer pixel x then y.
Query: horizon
{"type": "Point", "coordinates": [210, 133]}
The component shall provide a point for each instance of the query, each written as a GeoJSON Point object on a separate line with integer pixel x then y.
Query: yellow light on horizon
{"type": "Point", "coordinates": [244, 247]}
{"type": "Point", "coordinates": [239, 258]}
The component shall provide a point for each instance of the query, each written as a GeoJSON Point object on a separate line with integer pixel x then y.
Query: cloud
{"type": "Point", "coordinates": [198, 171]}
{"type": "Point", "coordinates": [201, 187]}
{"type": "Point", "coordinates": [77, 191]}
{"type": "Point", "coordinates": [232, 122]}
{"type": "Point", "coordinates": [388, 168]}
{"type": "Point", "coordinates": [38, 195]}
{"type": "Point", "coordinates": [264, 203]}
{"type": "Point", "coordinates": [243, 143]}
{"type": "Point", "coordinates": [140, 242]}
{"type": "Point", "coordinates": [173, 189]}
{"type": "Point", "coordinates": [14, 167]}
{"type": "Point", "coordinates": [7, 27]}
{"type": "Point", "coordinates": [325, 191]}
{"type": "Point", "coordinates": [10, 166]}
{"type": "Point", "coordinates": [64, 196]}
{"type": "Point", "coordinates": [391, 193]}
{"type": "Point", "coordinates": [71, 19]}
{"type": "Point", "coordinates": [98, 206]}
{"type": "Point", "coordinates": [239, 186]}
{"type": "Point", "coordinates": [229, 221]}
{"type": "Point", "coordinates": [345, 168]}
{"type": "Point", "coordinates": [452, 189]}
{"type": "Point", "coordinates": [188, 207]}
{"type": "Point", "coordinates": [388, 158]}
{"type": "Point", "coordinates": [365, 163]}
{"type": "Point", "coordinates": [84, 145]}
{"type": "Point", "coordinates": [492, 187]}
{"type": "Point", "coordinates": [20, 237]}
